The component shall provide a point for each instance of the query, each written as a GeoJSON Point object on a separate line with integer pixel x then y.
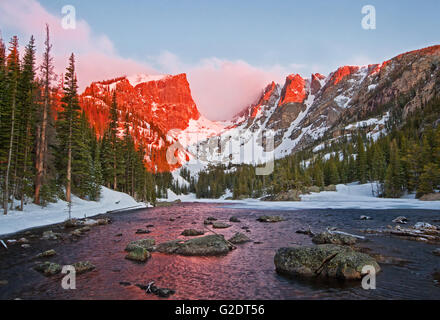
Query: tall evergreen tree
{"type": "Point", "coordinates": [13, 73]}
{"type": "Point", "coordinates": [361, 160]}
{"type": "Point", "coordinates": [41, 156]}
{"type": "Point", "coordinates": [69, 127]}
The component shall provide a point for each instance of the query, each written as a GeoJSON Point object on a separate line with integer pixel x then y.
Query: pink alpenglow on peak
{"type": "Point", "coordinates": [294, 90]}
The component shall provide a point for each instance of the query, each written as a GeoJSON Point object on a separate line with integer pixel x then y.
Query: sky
{"type": "Point", "coordinates": [229, 49]}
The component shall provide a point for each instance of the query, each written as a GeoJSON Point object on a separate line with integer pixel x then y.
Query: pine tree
{"type": "Point", "coordinates": [429, 180]}
{"type": "Point", "coordinates": [13, 73]}
{"type": "Point", "coordinates": [41, 154]}
{"type": "Point", "coordinates": [26, 102]}
{"type": "Point", "coordinates": [361, 160]}
{"type": "Point", "coordinates": [393, 180]}
{"type": "Point", "coordinates": [68, 126]}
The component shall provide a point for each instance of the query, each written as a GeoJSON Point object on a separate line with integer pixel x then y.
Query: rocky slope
{"type": "Point", "coordinates": [303, 111]}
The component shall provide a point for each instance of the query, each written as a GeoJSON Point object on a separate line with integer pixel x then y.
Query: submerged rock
{"type": "Point", "coordinates": [424, 226]}
{"type": "Point", "coordinates": [401, 220]}
{"type": "Point", "coordinates": [307, 232]}
{"type": "Point", "coordinates": [220, 225]}
{"type": "Point", "coordinates": [365, 218]}
{"type": "Point", "coordinates": [48, 268]}
{"type": "Point", "coordinates": [138, 254]}
{"type": "Point", "coordinates": [147, 244]}
{"type": "Point", "coordinates": [210, 245]}
{"type": "Point", "coordinates": [239, 238]}
{"type": "Point", "coordinates": [436, 252]}
{"type": "Point", "coordinates": [160, 292]}
{"type": "Point", "coordinates": [3, 283]}
{"type": "Point", "coordinates": [270, 219]}
{"type": "Point", "coordinates": [333, 238]}
{"type": "Point", "coordinates": [323, 261]}
{"type": "Point", "coordinates": [142, 231]}
{"type": "Point", "coordinates": [50, 235]}
{"type": "Point", "coordinates": [46, 254]}
{"type": "Point", "coordinates": [23, 241]}
{"type": "Point", "coordinates": [211, 219]}
{"type": "Point", "coordinates": [83, 267]}
{"type": "Point", "coordinates": [234, 219]}
{"type": "Point", "coordinates": [192, 233]}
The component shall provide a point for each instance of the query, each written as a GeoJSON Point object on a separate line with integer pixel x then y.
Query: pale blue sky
{"type": "Point", "coordinates": [318, 33]}
{"type": "Point", "coordinates": [229, 49]}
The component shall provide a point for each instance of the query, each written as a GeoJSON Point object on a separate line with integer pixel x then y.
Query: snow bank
{"type": "Point", "coordinates": [350, 196]}
{"type": "Point", "coordinates": [36, 216]}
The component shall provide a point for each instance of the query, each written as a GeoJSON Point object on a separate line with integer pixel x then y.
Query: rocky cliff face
{"type": "Point", "coordinates": [154, 108]}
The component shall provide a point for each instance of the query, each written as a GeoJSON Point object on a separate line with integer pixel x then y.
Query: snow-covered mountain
{"type": "Point", "coordinates": [164, 119]}
{"type": "Point", "coordinates": [302, 111]}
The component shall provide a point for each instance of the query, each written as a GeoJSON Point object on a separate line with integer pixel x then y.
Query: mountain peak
{"type": "Point", "coordinates": [294, 90]}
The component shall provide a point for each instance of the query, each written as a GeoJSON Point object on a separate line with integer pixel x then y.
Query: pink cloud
{"type": "Point", "coordinates": [95, 54]}
{"type": "Point", "coordinates": [221, 88]}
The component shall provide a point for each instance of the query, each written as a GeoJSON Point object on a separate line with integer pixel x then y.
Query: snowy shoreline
{"type": "Point", "coordinates": [35, 216]}
{"type": "Point", "coordinates": [350, 196]}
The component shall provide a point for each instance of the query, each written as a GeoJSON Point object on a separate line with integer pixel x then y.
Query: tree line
{"type": "Point", "coordinates": [48, 148]}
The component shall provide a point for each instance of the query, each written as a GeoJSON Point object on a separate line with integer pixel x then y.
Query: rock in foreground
{"type": "Point", "coordinates": [47, 254]}
{"type": "Point", "coordinates": [220, 225]}
{"type": "Point", "coordinates": [83, 267]}
{"type": "Point", "coordinates": [138, 254]}
{"type": "Point", "coordinates": [270, 219]}
{"type": "Point", "coordinates": [211, 245]}
{"type": "Point", "coordinates": [334, 238]}
{"type": "Point", "coordinates": [323, 261]}
{"type": "Point", "coordinates": [192, 233]}
{"type": "Point", "coordinates": [146, 244]}
{"type": "Point", "coordinates": [48, 268]}
{"type": "Point", "coordinates": [239, 238]}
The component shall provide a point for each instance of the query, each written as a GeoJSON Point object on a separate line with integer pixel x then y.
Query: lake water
{"type": "Point", "coordinates": [245, 273]}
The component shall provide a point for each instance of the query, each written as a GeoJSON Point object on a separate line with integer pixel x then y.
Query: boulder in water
{"type": "Point", "coordinates": [323, 261]}
{"type": "Point", "coordinates": [220, 225]}
{"type": "Point", "coordinates": [211, 245]}
{"type": "Point", "coordinates": [138, 254]}
{"type": "Point", "coordinates": [48, 268]}
{"type": "Point", "coordinates": [334, 238]}
{"type": "Point", "coordinates": [401, 220]}
{"type": "Point", "coordinates": [270, 219]}
{"type": "Point", "coordinates": [192, 233]}
{"type": "Point", "coordinates": [147, 244]}
{"type": "Point", "coordinates": [83, 267]}
{"type": "Point", "coordinates": [239, 238]}
{"type": "Point", "coordinates": [47, 254]}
